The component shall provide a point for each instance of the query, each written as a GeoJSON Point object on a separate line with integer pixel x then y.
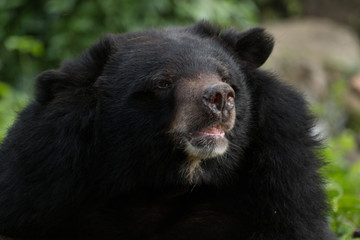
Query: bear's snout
{"type": "Point", "coordinates": [203, 102]}
{"type": "Point", "coordinates": [219, 98]}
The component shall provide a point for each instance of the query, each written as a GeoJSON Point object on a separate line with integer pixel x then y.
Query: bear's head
{"type": "Point", "coordinates": [167, 107]}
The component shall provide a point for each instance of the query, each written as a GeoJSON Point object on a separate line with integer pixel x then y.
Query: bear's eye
{"type": "Point", "coordinates": [163, 84]}
{"type": "Point", "coordinates": [225, 79]}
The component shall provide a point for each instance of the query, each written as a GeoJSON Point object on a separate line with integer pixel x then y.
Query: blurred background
{"type": "Point", "coordinates": [317, 50]}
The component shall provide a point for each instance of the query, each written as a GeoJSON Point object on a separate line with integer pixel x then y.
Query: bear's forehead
{"type": "Point", "coordinates": [165, 42]}
{"type": "Point", "coordinates": [161, 48]}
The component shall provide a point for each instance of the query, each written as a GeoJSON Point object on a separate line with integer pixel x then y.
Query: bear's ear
{"type": "Point", "coordinates": [253, 46]}
{"type": "Point", "coordinates": [48, 84]}
{"type": "Point", "coordinates": [74, 74]}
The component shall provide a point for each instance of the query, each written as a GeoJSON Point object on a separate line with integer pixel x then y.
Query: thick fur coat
{"type": "Point", "coordinates": [164, 134]}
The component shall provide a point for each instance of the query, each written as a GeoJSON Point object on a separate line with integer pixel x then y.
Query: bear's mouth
{"type": "Point", "coordinates": [211, 132]}
{"type": "Point", "coordinates": [207, 142]}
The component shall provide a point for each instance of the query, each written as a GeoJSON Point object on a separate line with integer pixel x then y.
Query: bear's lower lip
{"type": "Point", "coordinates": [214, 132]}
{"type": "Point", "coordinates": [208, 139]}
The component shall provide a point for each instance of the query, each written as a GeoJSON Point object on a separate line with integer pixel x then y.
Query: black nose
{"type": "Point", "coordinates": [219, 98]}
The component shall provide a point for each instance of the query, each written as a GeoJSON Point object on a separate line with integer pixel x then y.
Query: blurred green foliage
{"type": "Point", "coordinates": [343, 184]}
{"type": "Point", "coordinates": [36, 35]}
{"type": "Point", "coordinates": [11, 101]}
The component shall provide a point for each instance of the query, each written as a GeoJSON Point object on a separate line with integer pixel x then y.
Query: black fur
{"type": "Point", "coordinates": [92, 157]}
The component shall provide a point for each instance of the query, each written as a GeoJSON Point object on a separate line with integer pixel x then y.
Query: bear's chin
{"type": "Point", "coordinates": [206, 147]}
{"type": "Point", "coordinates": [206, 143]}
{"type": "Point", "coordinates": [199, 148]}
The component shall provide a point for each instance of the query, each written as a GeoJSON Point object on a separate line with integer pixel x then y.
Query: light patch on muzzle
{"type": "Point", "coordinates": [207, 150]}
{"type": "Point", "coordinates": [191, 169]}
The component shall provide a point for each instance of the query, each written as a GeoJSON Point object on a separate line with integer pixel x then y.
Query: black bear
{"type": "Point", "coordinates": [164, 134]}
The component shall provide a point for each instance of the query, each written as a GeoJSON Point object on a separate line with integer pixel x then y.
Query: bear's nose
{"type": "Point", "coordinates": [219, 98]}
